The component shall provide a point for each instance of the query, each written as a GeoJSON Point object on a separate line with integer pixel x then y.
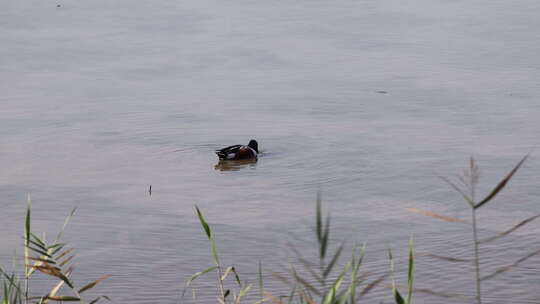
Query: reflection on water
{"type": "Point", "coordinates": [235, 165]}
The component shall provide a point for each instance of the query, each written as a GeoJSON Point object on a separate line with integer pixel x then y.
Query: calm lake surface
{"type": "Point", "coordinates": [366, 101]}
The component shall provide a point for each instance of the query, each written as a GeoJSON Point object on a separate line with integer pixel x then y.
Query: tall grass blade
{"type": "Point", "coordinates": [501, 184]}
{"type": "Point", "coordinates": [63, 254]}
{"type": "Point", "coordinates": [333, 261]}
{"type": "Point", "coordinates": [200, 273]}
{"type": "Point", "coordinates": [373, 284]}
{"type": "Point", "coordinates": [53, 271]}
{"type": "Point", "coordinates": [309, 268]}
{"type": "Point", "coordinates": [42, 260]}
{"type": "Point", "coordinates": [38, 245]}
{"type": "Point", "coordinates": [195, 276]}
{"type": "Point", "coordinates": [54, 290]}
{"type": "Point", "coordinates": [27, 269]}
{"type": "Point", "coordinates": [94, 301]}
{"type": "Point", "coordinates": [331, 295]}
{"type": "Point", "coordinates": [40, 252]}
{"type": "Point", "coordinates": [208, 232]}
{"type": "Point", "coordinates": [410, 274]}
{"type": "Point", "coordinates": [204, 224]}
{"type": "Point", "coordinates": [56, 245]}
{"type": "Point", "coordinates": [465, 196]}
{"type": "Point", "coordinates": [508, 267]}
{"type": "Point", "coordinates": [325, 236]}
{"type": "Point", "coordinates": [64, 298]}
{"type": "Point", "coordinates": [291, 295]}
{"type": "Point", "coordinates": [318, 218]}
{"type": "Point", "coordinates": [237, 277]}
{"type": "Point", "coordinates": [269, 298]}
{"type": "Point", "coordinates": [54, 249]}
{"type": "Point", "coordinates": [500, 235]}
{"type": "Point", "coordinates": [282, 278]}
{"type": "Point", "coordinates": [305, 283]}
{"type": "Point", "coordinates": [449, 259]}
{"type": "Point", "coordinates": [243, 293]}
{"type": "Point", "coordinates": [11, 280]}
{"type": "Point", "coordinates": [261, 283]}
{"type": "Point", "coordinates": [66, 221]}
{"type": "Point", "coordinates": [214, 251]}
{"type": "Point", "coordinates": [397, 296]}
{"type": "Point", "coordinates": [64, 262]}
{"type": "Point", "coordinates": [441, 294]}
{"type": "Point", "coordinates": [435, 215]}
{"type": "Point", "coordinates": [93, 284]}
{"type": "Point", "coordinates": [37, 239]}
{"type": "Point", "coordinates": [227, 271]}
{"type": "Point", "coordinates": [307, 298]}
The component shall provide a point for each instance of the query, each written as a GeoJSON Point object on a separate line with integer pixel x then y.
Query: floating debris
{"type": "Point", "coordinates": [382, 92]}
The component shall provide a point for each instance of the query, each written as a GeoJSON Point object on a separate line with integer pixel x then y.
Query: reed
{"type": "Point", "coordinates": [53, 259]}
{"type": "Point", "coordinates": [410, 276]}
{"type": "Point", "coordinates": [335, 285]}
{"type": "Point", "coordinates": [466, 186]}
{"type": "Point", "coordinates": [344, 282]}
{"type": "Point", "coordinates": [226, 294]}
{"type": "Point", "coordinates": [327, 279]}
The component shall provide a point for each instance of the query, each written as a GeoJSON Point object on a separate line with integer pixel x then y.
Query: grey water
{"type": "Point", "coordinates": [367, 102]}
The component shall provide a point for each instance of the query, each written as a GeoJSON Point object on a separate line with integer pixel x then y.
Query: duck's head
{"type": "Point", "coordinates": [254, 145]}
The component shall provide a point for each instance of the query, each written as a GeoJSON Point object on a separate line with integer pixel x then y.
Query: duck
{"type": "Point", "coordinates": [239, 152]}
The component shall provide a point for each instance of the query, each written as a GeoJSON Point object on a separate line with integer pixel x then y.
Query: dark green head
{"type": "Point", "coordinates": [254, 145]}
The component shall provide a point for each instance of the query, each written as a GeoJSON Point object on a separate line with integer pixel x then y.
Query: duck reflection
{"type": "Point", "coordinates": [235, 165]}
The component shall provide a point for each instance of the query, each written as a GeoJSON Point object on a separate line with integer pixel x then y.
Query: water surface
{"type": "Point", "coordinates": [366, 101]}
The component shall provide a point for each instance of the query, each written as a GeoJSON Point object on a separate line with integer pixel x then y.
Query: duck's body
{"type": "Point", "coordinates": [238, 152]}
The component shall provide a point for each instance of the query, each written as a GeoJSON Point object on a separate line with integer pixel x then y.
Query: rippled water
{"type": "Point", "coordinates": [366, 101]}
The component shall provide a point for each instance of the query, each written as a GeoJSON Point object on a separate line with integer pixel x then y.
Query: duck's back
{"type": "Point", "coordinates": [227, 151]}
{"type": "Point", "coordinates": [236, 152]}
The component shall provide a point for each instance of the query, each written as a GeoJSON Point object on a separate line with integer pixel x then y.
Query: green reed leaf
{"type": "Point", "coordinates": [243, 292]}
{"type": "Point", "coordinates": [501, 184]}
{"type": "Point", "coordinates": [465, 196]}
{"type": "Point", "coordinates": [40, 252]}
{"type": "Point", "coordinates": [64, 262]}
{"type": "Point", "coordinates": [93, 284]}
{"type": "Point", "coordinates": [397, 296]}
{"type": "Point", "coordinates": [449, 259]}
{"type": "Point", "coordinates": [291, 295]}
{"type": "Point", "coordinates": [306, 284]}
{"type": "Point", "coordinates": [64, 298]}
{"type": "Point", "coordinates": [373, 284]}
{"type": "Point", "coordinates": [53, 271]}
{"type": "Point", "coordinates": [200, 273]}
{"type": "Point", "coordinates": [261, 284]}
{"type": "Point", "coordinates": [63, 254]}
{"type": "Point", "coordinates": [500, 235]}
{"type": "Point", "coordinates": [410, 274]}
{"type": "Point", "coordinates": [27, 235]}
{"type": "Point", "coordinates": [66, 221]}
{"type": "Point", "coordinates": [203, 223]}
{"type": "Point", "coordinates": [94, 301]}
{"type": "Point", "coordinates": [508, 267]}
{"type": "Point", "coordinates": [325, 236]}
{"type": "Point", "coordinates": [333, 261]}
{"type": "Point", "coordinates": [224, 276]}
{"type": "Point", "coordinates": [318, 218]}
{"type": "Point", "coordinates": [237, 277]}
